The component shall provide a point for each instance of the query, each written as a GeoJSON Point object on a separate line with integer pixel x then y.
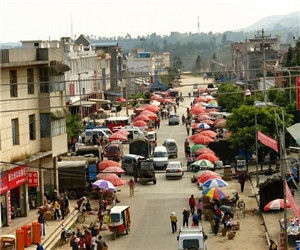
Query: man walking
{"type": "Point", "coordinates": [192, 203]}
{"type": "Point", "coordinates": [173, 222]}
{"type": "Point", "coordinates": [186, 215]}
{"type": "Point", "coordinates": [188, 128]}
{"type": "Point", "coordinates": [242, 180]}
{"type": "Point", "coordinates": [131, 185]}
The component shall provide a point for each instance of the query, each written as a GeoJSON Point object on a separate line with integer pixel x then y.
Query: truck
{"type": "Point", "coordinates": [75, 175]}
{"type": "Point", "coordinates": [95, 151]}
{"type": "Point", "coordinates": [191, 238]}
{"type": "Point", "coordinates": [140, 147]}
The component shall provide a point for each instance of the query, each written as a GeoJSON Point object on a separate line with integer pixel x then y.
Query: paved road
{"type": "Point", "coordinates": [152, 204]}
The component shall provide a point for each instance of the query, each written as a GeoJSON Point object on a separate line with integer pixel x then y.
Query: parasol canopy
{"type": "Point", "coordinates": [114, 170]}
{"type": "Point", "coordinates": [211, 157]}
{"type": "Point", "coordinates": [107, 185]}
{"type": "Point", "coordinates": [117, 137]}
{"type": "Point", "coordinates": [220, 124]}
{"type": "Point", "coordinates": [200, 99]}
{"type": "Point", "coordinates": [142, 118]}
{"type": "Point", "coordinates": [218, 120]}
{"type": "Point", "coordinates": [150, 114]}
{"type": "Point", "coordinates": [203, 125]}
{"type": "Point", "coordinates": [113, 178]}
{"type": "Point", "coordinates": [121, 99]}
{"type": "Point", "coordinates": [214, 183]}
{"type": "Point", "coordinates": [209, 133]}
{"type": "Point", "coordinates": [204, 151]}
{"type": "Point", "coordinates": [202, 140]}
{"type": "Point", "coordinates": [108, 163]}
{"type": "Point", "coordinates": [203, 164]}
{"type": "Point", "coordinates": [152, 109]}
{"type": "Point", "coordinates": [140, 123]}
{"type": "Point", "coordinates": [276, 205]}
{"type": "Point", "coordinates": [214, 193]}
{"type": "Point", "coordinates": [196, 147]}
{"type": "Point", "coordinates": [204, 117]}
{"type": "Point", "coordinates": [207, 121]}
{"type": "Point", "coordinates": [207, 175]}
{"type": "Point", "coordinates": [123, 132]}
{"type": "Point", "coordinates": [295, 132]}
{"type": "Point", "coordinates": [197, 110]}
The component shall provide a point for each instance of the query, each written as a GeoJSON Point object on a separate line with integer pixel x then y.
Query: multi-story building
{"type": "Point", "coordinates": [32, 124]}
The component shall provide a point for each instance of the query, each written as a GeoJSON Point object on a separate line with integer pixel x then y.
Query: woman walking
{"type": "Point", "coordinates": [173, 219]}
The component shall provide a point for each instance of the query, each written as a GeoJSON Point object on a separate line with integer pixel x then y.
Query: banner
{"type": "Point", "coordinates": [298, 93]}
{"type": "Point", "coordinates": [33, 179]}
{"type": "Point", "coordinates": [266, 140]}
{"type": "Point", "coordinates": [16, 176]}
{"type": "Point", "coordinates": [290, 198]}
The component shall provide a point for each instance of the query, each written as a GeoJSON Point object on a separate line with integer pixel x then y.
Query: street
{"type": "Point", "coordinates": [152, 204]}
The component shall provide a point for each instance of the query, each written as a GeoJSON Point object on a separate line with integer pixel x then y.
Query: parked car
{"type": "Point", "coordinates": [173, 119]}
{"type": "Point", "coordinates": [171, 147]}
{"type": "Point", "coordinates": [160, 157]}
{"type": "Point", "coordinates": [174, 169]}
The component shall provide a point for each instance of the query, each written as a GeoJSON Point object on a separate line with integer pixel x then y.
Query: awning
{"type": "Point", "coordinates": [59, 113]}
{"type": "Point", "coordinates": [83, 104]}
{"type": "Point", "coordinates": [100, 101]}
{"type": "Point", "coordinates": [112, 93]}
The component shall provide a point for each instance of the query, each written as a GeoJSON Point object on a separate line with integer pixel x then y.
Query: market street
{"type": "Point", "coordinates": [152, 204]}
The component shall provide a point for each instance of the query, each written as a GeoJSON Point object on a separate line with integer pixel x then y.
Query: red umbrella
{"type": "Point", "coordinates": [121, 99]}
{"type": "Point", "coordinates": [152, 109]}
{"type": "Point", "coordinates": [204, 117]}
{"type": "Point", "coordinates": [140, 123]}
{"type": "Point", "coordinates": [150, 114]}
{"type": "Point", "coordinates": [208, 133]}
{"type": "Point", "coordinates": [114, 170]}
{"type": "Point", "coordinates": [205, 176]}
{"type": "Point", "coordinates": [220, 124]}
{"type": "Point", "coordinates": [113, 178]}
{"type": "Point", "coordinates": [208, 156]}
{"type": "Point", "coordinates": [197, 110]}
{"type": "Point", "coordinates": [108, 163]}
{"type": "Point", "coordinates": [122, 132]}
{"type": "Point", "coordinates": [276, 205]}
{"type": "Point", "coordinates": [200, 99]}
{"type": "Point", "coordinates": [205, 140]}
{"type": "Point", "coordinates": [194, 136]}
{"type": "Point", "coordinates": [218, 120]}
{"type": "Point", "coordinates": [204, 151]}
{"type": "Point", "coordinates": [142, 118]}
{"type": "Point", "coordinates": [209, 122]}
{"type": "Point", "coordinates": [117, 137]}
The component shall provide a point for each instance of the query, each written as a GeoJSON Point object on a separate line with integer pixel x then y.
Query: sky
{"type": "Point", "coordinates": [40, 19]}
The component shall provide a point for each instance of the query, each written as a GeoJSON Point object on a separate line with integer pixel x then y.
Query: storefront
{"type": "Point", "coordinates": [13, 194]}
{"type": "Point", "coordinates": [34, 195]}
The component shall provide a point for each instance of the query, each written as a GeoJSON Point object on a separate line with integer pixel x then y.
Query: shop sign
{"type": "Point", "coordinates": [4, 183]}
{"type": "Point", "coordinates": [33, 179]}
{"type": "Point", "coordinates": [268, 141]}
{"type": "Point", "coordinates": [8, 198]}
{"type": "Point", "coordinates": [16, 177]}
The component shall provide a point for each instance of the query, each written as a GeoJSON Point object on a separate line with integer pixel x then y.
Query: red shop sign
{"type": "Point", "coordinates": [33, 179]}
{"type": "Point", "coordinates": [4, 183]}
{"type": "Point", "coordinates": [16, 177]}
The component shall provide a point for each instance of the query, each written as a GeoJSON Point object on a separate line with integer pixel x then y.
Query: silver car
{"type": "Point", "coordinates": [174, 169]}
{"type": "Point", "coordinates": [173, 119]}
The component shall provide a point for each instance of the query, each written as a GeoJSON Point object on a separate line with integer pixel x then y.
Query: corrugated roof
{"type": "Point", "coordinates": [110, 44]}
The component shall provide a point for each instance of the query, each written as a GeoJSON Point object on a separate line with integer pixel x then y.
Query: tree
{"type": "Point", "coordinates": [198, 63]}
{"type": "Point", "coordinates": [177, 63]}
{"type": "Point", "coordinates": [74, 126]}
{"type": "Point", "coordinates": [289, 57]}
{"type": "Point", "coordinates": [227, 98]}
{"type": "Point", "coordinates": [214, 57]}
{"type": "Point", "coordinates": [224, 39]}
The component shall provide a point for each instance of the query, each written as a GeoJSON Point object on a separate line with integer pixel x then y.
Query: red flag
{"type": "Point", "coordinates": [266, 140]}
{"type": "Point", "coordinates": [290, 198]}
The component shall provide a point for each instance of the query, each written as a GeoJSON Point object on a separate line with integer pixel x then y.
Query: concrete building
{"type": "Point", "coordinates": [32, 124]}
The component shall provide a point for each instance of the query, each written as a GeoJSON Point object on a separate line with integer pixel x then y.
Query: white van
{"type": "Point", "coordinates": [160, 157]}
{"type": "Point", "coordinates": [88, 134]}
{"type": "Point", "coordinates": [134, 132]}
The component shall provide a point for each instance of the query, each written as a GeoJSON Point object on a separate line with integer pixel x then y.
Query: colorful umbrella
{"type": "Point", "coordinates": [107, 185]}
{"type": "Point", "coordinates": [209, 122]}
{"type": "Point", "coordinates": [196, 147]}
{"type": "Point", "coordinates": [197, 110]}
{"type": "Point", "coordinates": [276, 205]}
{"type": "Point", "coordinates": [212, 105]}
{"type": "Point", "coordinates": [142, 118]}
{"type": "Point", "coordinates": [108, 163]}
{"type": "Point", "coordinates": [203, 164]}
{"type": "Point", "coordinates": [117, 137]}
{"type": "Point", "coordinates": [152, 109]}
{"type": "Point", "coordinates": [113, 178]}
{"type": "Point", "coordinates": [214, 193]}
{"type": "Point", "coordinates": [214, 183]}
{"type": "Point", "coordinates": [204, 151]}
{"type": "Point", "coordinates": [203, 126]}
{"type": "Point", "coordinates": [121, 99]}
{"type": "Point", "coordinates": [208, 133]}
{"type": "Point", "coordinates": [202, 140]}
{"type": "Point", "coordinates": [220, 124]}
{"type": "Point", "coordinates": [114, 170]}
{"type": "Point", "coordinates": [208, 156]}
{"type": "Point", "coordinates": [140, 123]}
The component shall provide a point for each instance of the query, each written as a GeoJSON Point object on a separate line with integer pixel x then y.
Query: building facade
{"type": "Point", "coordinates": [32, 125]}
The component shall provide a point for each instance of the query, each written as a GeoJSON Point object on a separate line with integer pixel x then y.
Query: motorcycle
{"type": "Point", "coordinates": [236, 202]}
{"type": "Point", "coordinates": [65, 235]}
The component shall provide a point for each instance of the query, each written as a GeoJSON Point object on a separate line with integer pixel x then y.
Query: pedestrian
{"type": "Point", "coordinates": [186, 216]}
{"type": "Point", "coordinates": [88, 206]}
{"type": "Point", "coordinates": [158, 123]}
{"type": "Point", "coordinates": [199, 207]}
{"type": "Point", "coordinates": [192, 203]}
{"type": "Point", "coordinates": [155, 123]}
{"type": "Point", "coordinates": [189, 95]}
{"type": "Point", "coordinates": [62, 208]}
{"type": "Point", "coordinates": [217, 223]}
{"type": "Point", "coordinates": [175, 110]}
{"type": "Point", "coordinates": [39, 246]}
{"type": "Point", "coordinates": [173, 219]}
{"type": "Point", "coordinates": [101, 245]}
{"type": "Point", "coordinates": [87, 240]}
{"type": "Point", "coordinates": [188, 127]}
{"type": "Point", "coordinates": [131, 185]}
{"type": "Point", "coordinates": [75, 245]}
{"type": "Point", "coordinates": [42, 221]}
{"type": "Point", "coordinates": [100, 217]}
{"type": "Point", "coordinates": [94, 243]}
{"type": "Point", "coordinates": [66, 200]}
{"type": "Point", "coordinates": [242, 180]}
{"type": "Point", "coordinates": [195, 220]}
{"type": "Point", "coordinates": [272, 245]}
{"type": "Point", "coordinates": [56, 210]}
{"type": "Point", "coordinates": [183, 119]}
{"type": "Point", "coordinates": [72, 238]}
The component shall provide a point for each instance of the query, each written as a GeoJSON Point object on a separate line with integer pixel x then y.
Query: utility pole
{"type": "Point", "coordinates": [264, 62]}
{"type": "Point", "coordinates": [80, 105]}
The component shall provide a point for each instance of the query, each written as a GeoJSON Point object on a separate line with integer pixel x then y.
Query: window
{"type": "Point", "coordinates": [32, 134]}
{"type": "Point", "coordinates": [30, 81]}
{"type": "Point", "coordinates": [58, 127]}
{"type": "Point", "coordinates": [13, 83]}
{"type": "Point", "coordinates": [45, 125]}
{"type": "Point", "coordinates": [15, 131]}
{"type": "Point", "coordinates": [44, 80]}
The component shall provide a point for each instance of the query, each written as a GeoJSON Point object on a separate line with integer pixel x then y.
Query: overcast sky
{"type": "Point", "coordinates": [39, 19]}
